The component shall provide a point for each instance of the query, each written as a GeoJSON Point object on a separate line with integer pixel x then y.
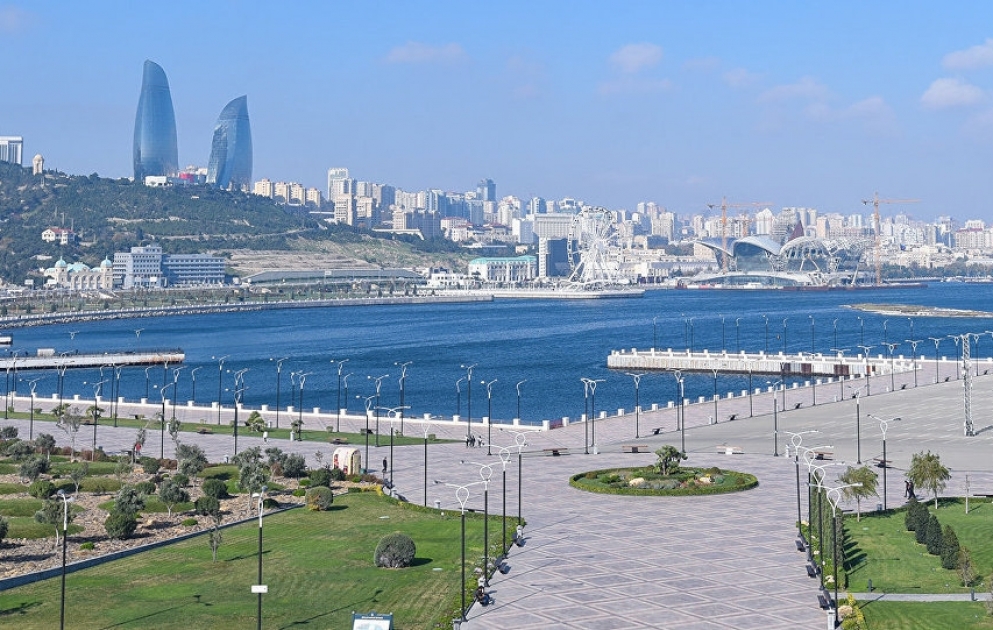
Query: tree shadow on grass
{"type": "Point", "coordinates": [420, 562]}
{"type": "Point", "coordinates": [19, 609]}
{"type": "Point", "coordinates": [855, 557]}
{"type": "Point", "coordinates": [355, 605]}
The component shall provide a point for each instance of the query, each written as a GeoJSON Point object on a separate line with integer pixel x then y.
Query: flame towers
{"type": "Point", "coordinates": [230, 164]}
{"type": "Point", "coordinates": [155, 147]}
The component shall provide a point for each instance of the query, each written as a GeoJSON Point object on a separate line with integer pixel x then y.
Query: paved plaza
{"type": "Point", "coordinates": [716, 562]}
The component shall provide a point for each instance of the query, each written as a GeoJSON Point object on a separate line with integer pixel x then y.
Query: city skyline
{"type": "Point", "coordinates": [675, 103]}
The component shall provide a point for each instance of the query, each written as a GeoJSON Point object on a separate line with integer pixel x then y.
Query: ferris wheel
{"type": "Point", "coordinates": [590, 237]}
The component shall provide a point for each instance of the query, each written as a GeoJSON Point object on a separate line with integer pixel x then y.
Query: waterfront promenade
{"type": "Point", "coordinates": [721, 562]}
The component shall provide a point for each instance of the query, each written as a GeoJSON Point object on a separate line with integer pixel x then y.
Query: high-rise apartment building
{"type": "Point", "coordinates": [155, 146]}
{"type": "Point", "coordinates": [230, 165]}
{"type": "Point", "coordinates": [11, 149]}
{"type": "Point", "coordinates": [486, 190]}
{"type": "Point", "coordinates": [337, 182]}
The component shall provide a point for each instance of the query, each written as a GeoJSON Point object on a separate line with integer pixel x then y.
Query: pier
{"type": "Point", "coordinates": [46, 358]}
{"type": "Point", "coordinates": [804, 364]}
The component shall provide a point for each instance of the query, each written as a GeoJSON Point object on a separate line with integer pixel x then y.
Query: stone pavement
{"type": "Point", "coordinates": [721, 562]}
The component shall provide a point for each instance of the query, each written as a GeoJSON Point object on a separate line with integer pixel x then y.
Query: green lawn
{"type": "Point", "coordinates": [881, 549]}
{"type": "Point", "coordinates": [927, 616]}
{"type": "Point", "coordinates": [318, 566]}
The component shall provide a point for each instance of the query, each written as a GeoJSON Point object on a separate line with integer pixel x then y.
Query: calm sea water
{"type": "Point", "coordinates": [550, 345]}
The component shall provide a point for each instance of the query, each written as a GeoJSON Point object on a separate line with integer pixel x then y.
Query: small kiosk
{"type": "Point", "coordinates": [348, 459]}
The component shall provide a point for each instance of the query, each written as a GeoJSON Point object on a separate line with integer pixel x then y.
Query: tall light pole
{"type": "Point", "coordinates": [458, 396]}
{"type": "Point", "coordinates": [379, 384]}
{"type": "Point", "coordinates": [468, 378]}
{"type": "Point", "coordinates": [766, 318]}
{"type": "Point", "coordinates": [489, 415]}
{"type": "Point", "coordinates": [65, 537]}
{"type": "Point", "coordinates": [341, 366]}
{"type": "Point", "coordinates": [861, 330]}
{"type": "Point", "coordinates": [637, 402]}
{"type": "Point", "coordinates": [193, 375]}
{"type": "Point", "coordinates": [681, 409]}
{"type": "Point", "coordinates": [883, 426]}
{"type": "Point", "coordinates": [220, 382]}
{"type": "Point", "coordinates": [835, 332]}
{"type": "Point", "coordinates": [403, 389]}
{"type": "Point", "coordinates": [891, 347]}
{"type": "Point", "coordinates": [937, 357]}
{"type": "Point", "coordinates": [485, 472]}
{"type": "Point", "coordinates": [462, 495]}
{"type": "Point", "coordinates": [520, 441]}
{"type": "Point", "coordinates": [796, 440]}
{"type": "Point", "coordinates": [716, 397]}
{"type": "Point", "coordinates": [811, 333]}
{"type": "Point", "coordinates": [33, 384]}
{"type": "Point", "coordinates": [858, 425]}
{"type": "Point", "coordinates": [137, 334]}
{"type": "Point", "coordinates": [655, 332]}
{"type": "Point", "coordinates": [162, 394]}
{"type": "Point", "coordinates": [589, 388]}
{"type": "Point", "coordinates": [391, 413]}
{"type": "Point", "coordinates": [344, 380]}
{"type": "Point", "coordinates": [751, 392]}
{"type": "Point", "coordinates": [865, 362]}
{"type": "Point", "coordinates": [368, 412]}
{"type": "Point", "coordinates": [913, 345]}
{"type": "Point", "coordinates": [427, 430]}
{"type": "Point", "coordinates": [957, 339]}
{"type": "Point", "coordinates": [737, 335]}
{"type": "Point", "coordinates": [175, 388]}
{"type": "Point", "coordinates": [785, 319]}
{"type": "Point", "coordinates": [302, 379]}
{"type": "Point", "coordinates": [239, 390]}
{"type": "Point", "coordinates": [518, 388]}
{"type": "Point", "coordinates": [97, 389]}
{"type": "Point", "coordinates": [886, 337]}
{"type": "Point", "coordinates": [834, 497]}
{"type": "Point", "coordinates": [115, 393]}
{"type": "Point", "coordinates": [146, 380]}
{"type": "Point", "coordinates": [724, 345]}
{"type": "Point", "coordinates": [775, 418]}
{"type": "Point", "coordinates": [259, 587]}
{"type": "Point", "coordinates": [279, 388]}
{"type": "Point", "coordinates": [505, 456]}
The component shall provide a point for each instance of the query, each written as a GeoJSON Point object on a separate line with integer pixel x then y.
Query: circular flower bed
{"type": "Point", "coordinates": [684, 481]}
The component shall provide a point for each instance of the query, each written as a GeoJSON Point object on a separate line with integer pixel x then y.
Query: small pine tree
{"type": "Point", "coordinates": [915, 510]}
{"type": "Point", "coordinates": [933, 537]}
{"type": "Point", "coordinates": [967, 570]}
{"type": "Point", "coordinates": [920, 532]}
{"type": "Point", "coordinates": [950, 548]}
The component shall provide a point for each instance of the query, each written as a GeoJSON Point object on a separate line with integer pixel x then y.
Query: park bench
{"type": "Point", "coordinates": [555, 451]}
{"type": "Point", "coordinates": [823, 454]}
{"type": "Point", "coordinates": [882, 463]}
{"type": "Point", "coordinates": [366, 431]}
{"type": "Point", "coordinates": [205, 430]}
{"type": "Point", "coordinates": [732, 417]}
{"type": "Point", "coordinates": [634, 448]}
{"type": "Point", "coordinates": [338, 440]}
{"type": "Point", "coordinates": [730, 450]}
{"type": "Point", "coordinates": [656, 430]}
{"type": "Point", "coordinates": [799, 545]}
{"type": "Point", "coordinates": [797, 406]}
{"type": "Point", "coordinates": [811, 570]}
{"type": "Point", "coordinates": [824, 601]}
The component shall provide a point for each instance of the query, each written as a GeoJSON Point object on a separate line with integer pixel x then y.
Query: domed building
{"type": "Point", "coordinates": [80, 277]}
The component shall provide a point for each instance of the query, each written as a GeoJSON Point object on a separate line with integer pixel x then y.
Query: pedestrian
{"type": "Point", "coordinates": [906, 489]}
{"type": "Point", "coordinates": [265, 437]}
{"type": "Point", "coordinates": [386, 465]}
{"type": "Point", "coordinates": [911, 491]}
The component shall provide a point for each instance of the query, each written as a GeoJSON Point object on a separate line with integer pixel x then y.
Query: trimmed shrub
{"type": "Point", "coordinates": [207, 506]}
{"type": "Point", "coordinates": [304, 482]}
{"type": "Point", "coordinates": [917, 515]}
{"type": "Point", "coordinates": [150, 465]}
{"type": "Point", "coordinates": [120, 525]}
{"type": "Point", "coordinates": [129, 501]}
{"type": "Point", "coordinates": [933, 536]}
{"type": "Point", "coordinates": [41, 489]}
{"type": "Point", "coordinates": [189, 522]}
{"type": "Point", "coordinates": [299, 492]}
{"type": "Point", "coordinates": [949, 548]}
{"type": "Point", "coordinates": [146, 488]}
{"type": "Point", "coordinates": [320, 477]}
{"type": "Point", "coordinates": [4, 526]}
{"type": "Point", "coordinates": [395, 551]}
{"type": "Point", "coordinates": [320, 498]}
{"type": "Point", "coordinates": [294, 466]}
{"type": "Point", "coordinates": [216, 488]}
{"type": "Point", "coordinates": [33, 467]}
{"type": "Point", "coordinates": [181, 480]}
{"type": "Point", "coordinates": [87, 546]}
{"type": "Point", "coordinates": [337, 474]}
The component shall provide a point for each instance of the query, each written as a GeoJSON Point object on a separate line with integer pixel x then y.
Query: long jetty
{"type": "Point", "coordinates": [805, 364]}
{"type": "Point", "coordinates": [47, 359]}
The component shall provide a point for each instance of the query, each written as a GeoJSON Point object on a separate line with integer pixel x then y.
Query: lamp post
{"type": "Point", "coordinates": [680, 410]}
{"type": "Point", "coordinates": [162, 394]}
{"type": "Point", "coordinates": [834, 497]}
{"type": "Point", "coordinates": [33, 384]}
{"type": "Point", "coordinates": [368, 412]}
{"type": "Point", "coordinates": [505, 455]}
{"type": "Point", "coordinates": [865, 362]}
{"type": "Point", "coordinates": [193, 375]}
{"type": "Point", "coordinates": [956, 339]}
{"type": "Point", "coordinates": [766, 318]}
{"type": "Point", "coordinates": [691, 334]}
{"type": "Point", "coordinates": [737, 335]}
{"type": "Point", "coordinates": [146, 380]}
{"type": "Point", "coordinates": [796, 440]}
{"type": "Point", "coordinates": [589, 385]}
{"type": "Point", "coordinates": [302, 379]}
{"type": "Point", "coordinates": [259, 587]}
{"type": "Point", "coordinates": [137, 334]}
{"type": "Point", "coordinates": [775, 419]}
{"type": "Point", "coordinates": [751, 392]}
{"type": "Point", "coordinates": [391, 413]}
{"type": "Point", "coordinates": [886, 338]}
{"type": "Point", "coordinates": [884, 425]}
{"type": "Point", "coordinates": [520, 441]}
{"type": "Point", "coordinates": [655, 332]}
{"type": "Point", "coordinates": [485, 472]}
{"type": "Point", "coordinates": [637, 402]}
{"type": "Point", "coordinates": [458, 396]}
{"type": "Point", "coordinates": [344, 380]}
{"type": "Point", "coordinates": [811, 333]}
{"type": "Point", "coordinates": [724, 345]}
{"type": "Point", "coordinates": [341, 366]}
{"type": "Point", "coordinates": [462, 495]}
{"type": "Point", "coordinates": [97, 389]}
{"type": "Point", "coordinates": [913, 345]}
{"type": "Point", "coordinates": [936, 340]}
{"type": "Point", "coordinates": [175, 390]}
{"type": "Point", "coordinates": [716, 372]}
{"type": "Point", "coordinates": [220, 381]}
{"type": "Point", "coordinates": [468, 378]}
{"type": "Point", "coordinates": [518, 388]}
{"type": "Point", "coordinates": [861, 330]}
{"type": "Point", "coordinates": [841, 377]}
{"type": "Point", "coordinates": [911, 320]}
{"type": "Point", "coordinates": [379, 384]}
{"type": "Point", "coordinates": [403, 391]}
{"type": "Point", "coordinates": [785, 319]}
{"type": "Point", "coordinates": [835, 332]}
{"type": "Point", "coordinates": [65, 537]}
{"type": "Point", "coordinates": [427, 429]}
{"type": "Point", "coordinates": [489, 414]}
{"type": "Point", "coordinates": [586, 413]}
{"type": "Point", "coordinates": [279, 388]}
{"type": "Point", "coordinates": [858, 425]}
{"type": "Point", "coordinates": [891, 347]}
{"type": "Point", "coordinates": [239, 390]}
{"type": "Point", "coordinates": [115, 393]}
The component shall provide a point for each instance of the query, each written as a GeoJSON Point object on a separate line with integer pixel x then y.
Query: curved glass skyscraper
{"type": "Point", "coordinates": [230, 164]}
{"type": "Point", "coordinates": [155, 147]}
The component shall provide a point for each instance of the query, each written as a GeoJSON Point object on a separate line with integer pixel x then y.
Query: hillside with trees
{"type": "Point", "coordinates": [113, 215]}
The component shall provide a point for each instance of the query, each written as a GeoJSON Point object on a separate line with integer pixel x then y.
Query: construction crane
{"type": "Point", "coordinates": [724, 205]}
{"type": "Point", "coordinates": [877, 228]}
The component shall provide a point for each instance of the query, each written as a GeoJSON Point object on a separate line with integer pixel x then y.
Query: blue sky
{"type": "Point", "coordinates": [812, 104]}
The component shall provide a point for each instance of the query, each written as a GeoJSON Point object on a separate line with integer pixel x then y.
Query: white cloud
{"type": "Point", "coordinates": [740, 78]}
{"type": "Point", "coordinates": [872, 107]}
{"type": "Point", "coordinates": [804, 89]}
{"type": "Point", "coordinates": [975, 57]}
{"type": "Point", "coordinates": [634, 58]}
{"type": "Point", "coordinates": [952, 92]}
{"type": "Point", "coordinates": [417, 52]}
{"type": "Point", "coordinates": [13, 19]}
{"type": "Point", "coordinates": [702, 64]}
